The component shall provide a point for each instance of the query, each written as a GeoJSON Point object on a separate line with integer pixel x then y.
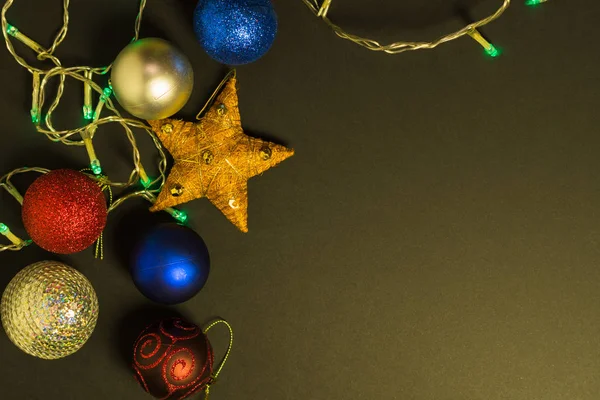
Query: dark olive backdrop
{"type": "Point", "coordinates": [436, 236]}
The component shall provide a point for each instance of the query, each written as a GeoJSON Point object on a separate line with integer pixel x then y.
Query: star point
{"type": "Point", "coordinates": [214, 158]}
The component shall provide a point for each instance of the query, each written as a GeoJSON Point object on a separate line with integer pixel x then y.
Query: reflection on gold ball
{"type": "Point", "coordinates": [49, 310]}
{"type": "Point", "coordinates": [151, 79]}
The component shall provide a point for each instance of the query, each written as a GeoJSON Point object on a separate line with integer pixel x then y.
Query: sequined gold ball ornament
{"type": "Point", "coordinates": [151, 79]}
{"type": "Point", "coordinates": [49, 310]}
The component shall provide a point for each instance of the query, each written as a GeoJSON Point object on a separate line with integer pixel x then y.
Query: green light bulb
{"type": "Point", "coordinates": [534, 2]}
{"type": "Point", "coordinates": [3, 228]}
{"type": "Point", "coordinates": [88, 113]}
{"type": "Point", "coordinates": [106, 93]}
{"type": "Point", "coordinates": [180, 216]}
{"type": "Point", "coordinates": [146, 183]}
{"type": "Point", "coordinates": [35, 116]}
{"type": "Point", "coordinates": [11, 30]}
{"type": "Point", "coordinates": [96, 168]}
{"type": "Point", "coordinates": [492, 51]}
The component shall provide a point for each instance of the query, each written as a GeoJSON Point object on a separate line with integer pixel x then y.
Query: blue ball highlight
{"type": "Point", "coordinates": [235, 32]}
{"type": "Point", "coordinates": [170, 264]}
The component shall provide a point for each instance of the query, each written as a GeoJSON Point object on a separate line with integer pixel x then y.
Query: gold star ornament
{"type": "Point", "coordinates": [214, 158]}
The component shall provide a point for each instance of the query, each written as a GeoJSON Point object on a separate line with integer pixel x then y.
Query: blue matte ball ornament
{"type": "Point", "coordinates": [170, 264]}
{"type": "Point", "coordinates": [235, 32]}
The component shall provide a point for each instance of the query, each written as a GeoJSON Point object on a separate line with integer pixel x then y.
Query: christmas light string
{"type": "Point", "coordinates": [321, 9]}
{"type": "Point", "coordinates": [18, 243]}
{"type": "Point", "coordinates": [84, 75]}
{"type": "Point", "coordinates": [6, 184]}
{"type": "Point", "coordinates": [91, 114]}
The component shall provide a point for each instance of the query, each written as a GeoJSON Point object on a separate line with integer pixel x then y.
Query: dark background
{"type": "Point", "coordinates": [436, 235]}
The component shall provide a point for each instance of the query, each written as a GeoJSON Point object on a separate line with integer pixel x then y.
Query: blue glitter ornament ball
{"type": "Point", "coordinates": [170, 264]}
{"type": "Point", "coordinates": [235, 32]}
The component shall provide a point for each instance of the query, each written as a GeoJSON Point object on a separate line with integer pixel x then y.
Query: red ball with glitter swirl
{"type": "Point", "coordinates": [173, 359]}
{"type": "Point", "coordinates": [64, 211]}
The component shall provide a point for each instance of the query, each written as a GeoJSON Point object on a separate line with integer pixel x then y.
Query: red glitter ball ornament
{"type": "Point", "coordinates": [64, 211]}
{"type": "Point", "coordinates": [173, 359]}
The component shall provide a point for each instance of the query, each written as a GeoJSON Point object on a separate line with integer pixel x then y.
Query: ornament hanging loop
{"type": "Point", "coordinates": [231, 74]}
{"type": "Point", "coordinates": [213, 378]}
{"type": "Point", "coordinates": [104, 184]}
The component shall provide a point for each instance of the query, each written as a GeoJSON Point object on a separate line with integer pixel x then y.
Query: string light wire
{"type": "Point", "coordinates": [85, 75]}
{"type": "Point", "coordinates": [6, 184]}
{"type": "Point", "coordinates": [82, 74]}
{"type": "Point", "coordinates": [320, 8]}
{"type": "Point", "coordinates": [92, 115]}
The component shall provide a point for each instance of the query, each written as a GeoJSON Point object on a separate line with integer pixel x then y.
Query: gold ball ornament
{"type": "Point", "coordinates": [151, 79]}
{"type": "Point", "coordinates": [49, 310]}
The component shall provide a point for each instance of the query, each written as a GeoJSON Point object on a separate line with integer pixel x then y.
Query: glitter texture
{"type": "Point", "coordinates": [49, 310]}
{"type": "Point", "coordinates": [173, 359]}
{"type": "Point", "coordinates": [64, 211]}
{"type": "Point", "coordinates": [235, 32]}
